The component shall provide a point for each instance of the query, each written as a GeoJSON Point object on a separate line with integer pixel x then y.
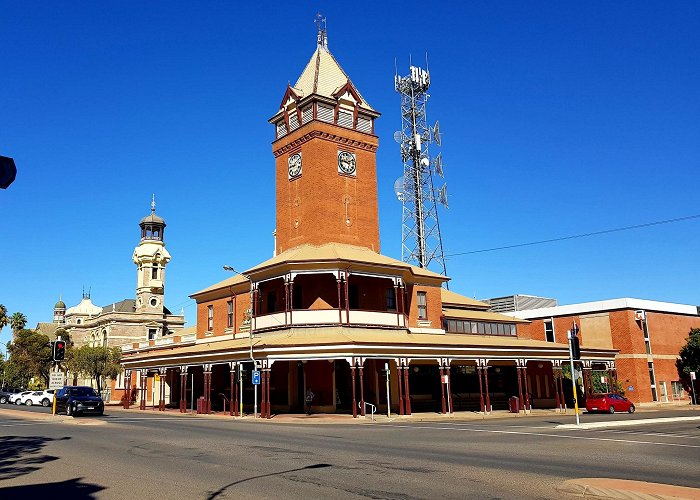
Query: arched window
{"type": "Point", "coordinates": [104, 338]}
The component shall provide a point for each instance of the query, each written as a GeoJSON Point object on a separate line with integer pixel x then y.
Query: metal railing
{"type": "Point", "coordinates": [373, 409]}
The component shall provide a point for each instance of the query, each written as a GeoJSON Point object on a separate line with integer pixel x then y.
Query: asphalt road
{"type": "Point", "coordinates": [148, 455]}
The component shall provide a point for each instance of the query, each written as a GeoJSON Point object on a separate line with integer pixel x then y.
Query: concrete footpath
{"type": "Point", "coordinates": [626, 490]}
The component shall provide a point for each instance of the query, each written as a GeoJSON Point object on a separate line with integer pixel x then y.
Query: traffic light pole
{"type": "Point", "coordinates": [569, 334]}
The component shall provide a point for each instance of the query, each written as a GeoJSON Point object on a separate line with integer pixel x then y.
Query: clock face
{"type": "Point", "coordinates": [294, 165]}
{"type": "Point", "coordinates": [346, 163]}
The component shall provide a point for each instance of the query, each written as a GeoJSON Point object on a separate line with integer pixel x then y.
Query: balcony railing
{"type": "Point", "coordinates": [306, 317]}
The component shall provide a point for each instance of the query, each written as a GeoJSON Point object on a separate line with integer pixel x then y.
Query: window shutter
{"type": "Point", "coordinates": [345, 119]}
{"type": "Point", "coordinates": [325, 113]}
{"type": "Point", "coordinates": [293, 121]}
{"type": "Point", "coordinates": [281, 129]}
{"type": "Point", "coordinates": [364, 124]}
{"type": "Point", "coordinates": [307, 114]}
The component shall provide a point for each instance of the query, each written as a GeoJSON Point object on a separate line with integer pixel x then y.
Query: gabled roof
{"type": "Point", "coordinates": [461, 301]}
{"type": "Point", "coordinates": [324, 76]}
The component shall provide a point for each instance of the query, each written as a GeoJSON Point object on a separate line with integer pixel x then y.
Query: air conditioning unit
{"type": "Point", "coordinates": [640, 315]}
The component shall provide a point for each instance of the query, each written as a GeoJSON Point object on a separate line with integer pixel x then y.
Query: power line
{"type": "Point", "coordinates": [576, 236]}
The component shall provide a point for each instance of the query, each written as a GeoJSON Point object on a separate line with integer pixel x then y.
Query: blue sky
{"type": "Point", "coordinates": [557, 119]}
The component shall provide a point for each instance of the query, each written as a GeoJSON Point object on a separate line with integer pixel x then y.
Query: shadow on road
{"type": "Point", "coordinates": [218, 492]}
{"type": "Point", "coordinates": [21, 455]}
{"type": "Point", "coordinates": [72, 488]}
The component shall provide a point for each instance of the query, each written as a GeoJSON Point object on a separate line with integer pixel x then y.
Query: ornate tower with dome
{"type": "Point", "coordinates": [151, 257]}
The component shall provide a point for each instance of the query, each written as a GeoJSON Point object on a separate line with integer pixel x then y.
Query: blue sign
{"type": "Point", "coordinates": [256, 377]}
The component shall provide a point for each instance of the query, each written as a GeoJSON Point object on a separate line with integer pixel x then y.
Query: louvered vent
{"type": "Point", "coordinates": [293, 121]}
{"type": "Point", "coordinates": [281, 129]}
{"type": "Point", "coordinates": [307, 115]}
{"type": "Point", "coordinates": [345, 119]}
{"type": "Point", "coordinates": [364, 124]}
{"type": "Point", "coordinates": [325, 113]}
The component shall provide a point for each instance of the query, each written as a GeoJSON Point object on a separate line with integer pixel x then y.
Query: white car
{"type": "Point", "coordinates": [15, 398]}
{"type": "Point", "coordinates": [43, 398]}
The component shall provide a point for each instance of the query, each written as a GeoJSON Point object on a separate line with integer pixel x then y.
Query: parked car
{"type": "Point", "coordinates": [15, 398]}
{"type": "Point", "coordinates": [43, 398]}
{"type": "Point", "coordinates": [6, 393]}
{"type": "Point", "coordinates": [78, 400]}
{"type": "Point", "coordinates": [609, 403]}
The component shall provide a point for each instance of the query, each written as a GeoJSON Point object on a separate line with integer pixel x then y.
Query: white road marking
{"type": "Point", "coordinates": [560, 436]}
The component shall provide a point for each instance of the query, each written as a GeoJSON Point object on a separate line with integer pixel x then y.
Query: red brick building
{"type": "Point", "coordinates": [647, 335]}
{"type": "Point", "coordinates": [329, 314]}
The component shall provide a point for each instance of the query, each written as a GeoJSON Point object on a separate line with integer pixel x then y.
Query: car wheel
{"type": "Point", "coordinates": [45, 402]}
{"type": "Point", "coordinates": [28, 402]}
{"type": "Point", "coordinates": [3, 399]}
{"type": "Point", "coordinates": [69, 410]}
{"type": "Point", "coordinates": [18, 402]}
{"type": "Point", "coordinates": [611, 410]}
{"type": "Point", "coordinates": [631, 410]}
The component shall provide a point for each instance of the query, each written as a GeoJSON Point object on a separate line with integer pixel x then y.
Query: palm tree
{"type": "Point", "coordinates": [4, 318]}
{"type": "Point", "coordinates": [17, 322]}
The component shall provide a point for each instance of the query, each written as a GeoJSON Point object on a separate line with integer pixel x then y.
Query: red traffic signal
{"type": "Point", "coordinates": [59, 350]}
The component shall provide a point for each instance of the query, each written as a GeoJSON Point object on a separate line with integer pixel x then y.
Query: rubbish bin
{"type": "Point", "coordinates": [514, 404]}
{"type": "Point", "coordinates": [200, 405]}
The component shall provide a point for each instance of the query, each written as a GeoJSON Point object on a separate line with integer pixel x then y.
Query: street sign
{"type": "Point", "coordinates": [603, 379]}
{"type": "Point", "coordinates": [692, 375]}
{"type": "Point", "coordinates": [256, 377]}
{"type": "Point", "coordinates": [56, 380]}
{"type": "Point", "coordinates": [445, 379]}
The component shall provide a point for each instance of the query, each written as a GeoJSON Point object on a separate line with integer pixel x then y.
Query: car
{"type": "Point", "coordinates": [78, 400]}
{"type": "Point", "coordinates": [43, 398]}
{"type": "Point", "coordinates": [609, 403]}
{"type": "Point", "coordinates": [15, 398]}
{"type": "Point", "coordinates": [6, 393]}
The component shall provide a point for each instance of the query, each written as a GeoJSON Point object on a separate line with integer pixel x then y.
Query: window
{"type": "Point", "coordinates": [652, 381]}
{"type": "Point", "coordinates": [422, 305]}
{"type": "Point", "coordinates": [281, 129]}
{"type": "Point", "coordinates": [293, 121]}
{"type": "Point", "coordinates": [549, 330]}
{"type": "Point", "coordinates": [210, 318]}
{"type": "Point", "coordinates": [307, 114]}
{"type": "Point", "coordinates": [390, 299]}
{"type": "Point", "coordinates": [364, 124]}
{"type": "Point", "coordinates": [154, 272]}
{"type": "Point", "coordinates": [153, 302]}
{"type": "Point", "coordinates": [152, 332]}
{"type": "Point", "coordinates": [229, 307]}
{"type": "Point", "coordinates": [345, 118]}
{"type": "Point", "coordinates": [677, 390]}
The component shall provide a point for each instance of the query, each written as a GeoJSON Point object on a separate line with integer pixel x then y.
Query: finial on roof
{"type": "Point", "coordinates": [153, 204]}
{"type": "Point", "coordinates": [322, 37]}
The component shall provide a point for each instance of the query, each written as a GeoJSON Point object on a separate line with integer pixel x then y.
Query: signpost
{"type": "Point", "coordinates": [256, 383]}
{"type": "Point", "coordinates": [56, 380]}
{"type": "Point", "coordinates": [692, 386]}
{"type": "Point", "coordinates": [571, 334]}
{"type": "Point", "coordinates": [256, 377]}
{"type": "Point", "coordinates": [388, 399]}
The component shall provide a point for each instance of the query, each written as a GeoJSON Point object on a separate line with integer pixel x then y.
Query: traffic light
{"type": "Point", "coordinates": [575, 347]}
{"type": "Point", "coordinates": [59, 350]}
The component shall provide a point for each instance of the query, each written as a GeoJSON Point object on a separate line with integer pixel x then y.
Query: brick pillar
{"type": "Point", "coordinates": [144, 378]}
{"type": "Point", "coordinates": [407, 390]}
{"type": "Point", "coordinates": [161, 391]}
{"type": "Point", "coordinates": [448, 388]}
{"type": "Point", "coordinates": [527, 389]}
{"type": "Point", "coordinates": [399, 371]}
{"type": "Point", "coordinates": [183, 391]}
{"type": "Point", "coordinates": [442, 390]}
{"type": "Point", "coordinates": [127, 389]}
{"type": "Point", "coordinates": [354, 401]}
{"type": "Point", "coordinates": [521, 401]}
{"type": "Point", "coordinates": [479, 371]}
{"type": "Point", "coordinates": [613, 380]}
{"type": "Point", "coordinates": [362, 391]}
{"type": "Point", "coordinates": [269, 411]}
{"type": "Point", "coordinates": [587, 381]}
{"type": "Point", "coordinates": [340, 304]}
{"type": "Point", "coordinates": [236, 403]}
{"type": "Point", "coordinates": [486, 384]}
{"type": "Point", "coordinates": [207, 392]}
{"type": "Point", "coordinates": [232, 372]}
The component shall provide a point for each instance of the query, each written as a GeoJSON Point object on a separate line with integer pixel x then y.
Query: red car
{"type": "Point", "coordinates": [609, 403]}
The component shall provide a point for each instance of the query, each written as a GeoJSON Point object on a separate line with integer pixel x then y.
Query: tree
{"type": "Point", "coordinates": [97, 363]}
{"type": "Point", "coordinates": [689, 357]}
{"type": "Point", "coordinates": [30, 355]}
{"type": "Point", "coordinates": [4, 318]}
{"type": "Point", "coordinates": [17, 321]}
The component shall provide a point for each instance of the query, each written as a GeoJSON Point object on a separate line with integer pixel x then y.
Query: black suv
{"type": "Point", "coordinates": [6, 393]}
{"type": "Point", "coordinates": [78, 400]}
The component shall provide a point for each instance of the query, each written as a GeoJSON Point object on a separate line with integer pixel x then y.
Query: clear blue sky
{"type": "Point", "coordinates": [557, 118]}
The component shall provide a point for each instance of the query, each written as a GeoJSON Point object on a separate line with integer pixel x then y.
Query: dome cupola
{"type": "Point", "coordinates": [152, 226]}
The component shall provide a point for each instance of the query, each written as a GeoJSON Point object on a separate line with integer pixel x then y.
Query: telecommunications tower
{"type": "Point", "coordinates": [421, 243]}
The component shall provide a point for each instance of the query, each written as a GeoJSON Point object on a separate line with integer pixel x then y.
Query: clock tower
{"type": "Point", "coordinates": [325, 159]}
{"type": "Point", "coordinates": [151, 257]}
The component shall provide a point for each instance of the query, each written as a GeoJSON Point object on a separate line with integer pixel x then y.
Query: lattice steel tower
{"type": "Point", "coordinates": [421, 242]}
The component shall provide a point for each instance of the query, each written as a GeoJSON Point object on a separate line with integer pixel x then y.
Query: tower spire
{"type": "Point", "coordinates": [153, 203]}
{"type": "Point", "coordinates": [322, 37]}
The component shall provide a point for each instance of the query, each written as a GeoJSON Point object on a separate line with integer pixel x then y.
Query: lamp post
{"type": "Point", "coordinates": [252, 358]}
